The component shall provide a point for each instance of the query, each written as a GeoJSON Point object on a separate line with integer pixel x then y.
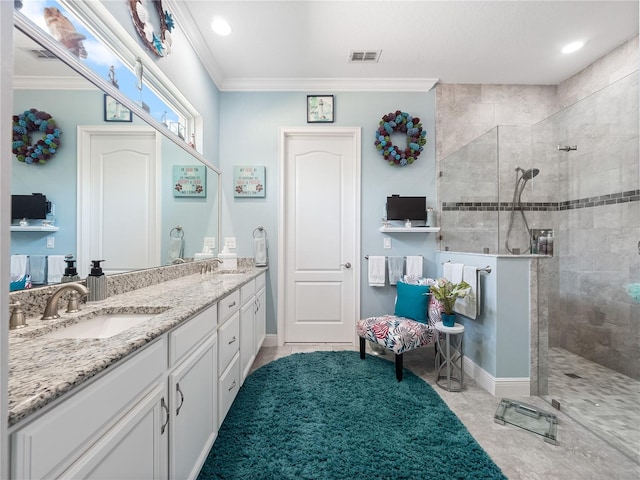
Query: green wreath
{"type": "Point", "coordinates": [35, 121]}
{"type": "Point", "coordinates": [405, 123]}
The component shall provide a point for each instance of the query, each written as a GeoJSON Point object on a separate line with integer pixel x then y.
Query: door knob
{"type": "Point", "coordinates": [345, 265]}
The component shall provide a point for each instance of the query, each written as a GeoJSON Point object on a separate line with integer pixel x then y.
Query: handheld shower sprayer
{"type": "Point", "coordinates": [521, 181]}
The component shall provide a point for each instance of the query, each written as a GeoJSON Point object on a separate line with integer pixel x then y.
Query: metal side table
{"type": "Point", "coordinates": [450, 357]}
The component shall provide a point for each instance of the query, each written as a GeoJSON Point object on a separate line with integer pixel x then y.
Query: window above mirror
{"type": "Point", "coordinates": [103, 45]}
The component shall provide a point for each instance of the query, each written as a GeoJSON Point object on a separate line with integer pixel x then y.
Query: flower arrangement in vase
{"type": "Point", "coordinates": [446, 292]}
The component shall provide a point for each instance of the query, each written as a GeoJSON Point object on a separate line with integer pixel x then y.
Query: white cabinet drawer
{"type": "Point", "coordinates": [228, 341]}
{"type": "Point", "coordinates": [46, 446]}
{"type": "Point", "coordinates": [260, 281]}
{"type": "Point", "coordinates": [184, 338]}
{"type": "Point", "coordinates": [247, 291]}
{"type": "Point", "coordinates": [228, 386]}
{"type": "Point", "coordinates": [228, 305]}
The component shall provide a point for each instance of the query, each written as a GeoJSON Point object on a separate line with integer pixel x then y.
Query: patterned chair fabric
{"type": "Point", "coordinates": [399, 334]}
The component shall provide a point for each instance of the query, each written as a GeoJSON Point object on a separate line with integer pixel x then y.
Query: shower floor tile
{"type": "Point", "coordinates": [602, 400]}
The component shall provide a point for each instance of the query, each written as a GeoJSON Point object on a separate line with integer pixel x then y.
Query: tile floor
{"type": "Point", "coordinates": [520, 454]}
{"type": "Point", "coordinates": [602, 400]}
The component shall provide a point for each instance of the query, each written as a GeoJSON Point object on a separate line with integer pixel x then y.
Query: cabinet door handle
{"type": "Point", "coordinates": [181, 399]}
{"type": "Point", "coordinates": [233, 385]}
{"type": "Point", "coordinates": [163, 404]}
{"type": "Point", "coordinates": [232, 340]}
{"type": "Point", "coordinates": [231, 305]}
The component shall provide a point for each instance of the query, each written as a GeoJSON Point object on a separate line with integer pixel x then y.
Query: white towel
{"type": "Point", "coordinates": [18, 267]}
{"type": "Point", "coordinates": [174, 250]}
{"type": "Point", "coordinates": [38, 269]}
{"type": "Point", "coordinates": [396, 265]}
{"type": "Point", "coordinates": [260, 251]}
{"type": "Point", "coordinates": [469, 306]}
{"type": "Point", "coordinates": [55, 268]}
{"type": "Point", "coordinates": [453, 271]}
{"type": "Point", "coordinates": [377, 271]}
{"type": "Point", "coordinates": [414, 266]}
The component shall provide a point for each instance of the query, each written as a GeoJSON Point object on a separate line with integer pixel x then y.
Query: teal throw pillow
{"type": "Point", "coordinates": [412, 302]}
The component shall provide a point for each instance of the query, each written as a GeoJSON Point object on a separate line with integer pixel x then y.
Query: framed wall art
{"type": "Point", "coordinates": [189, 181]}
{"type": "Point", "coordinates": [320, 108]}
{"type": "Point", "coordinates": [114, 111]}
{"type": "Point", "coordinates": [248, 181]}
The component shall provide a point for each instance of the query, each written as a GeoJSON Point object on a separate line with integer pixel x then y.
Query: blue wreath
{"type": "Point", "coordinates": [35, 121]}
{"type": "Point", "coordinates": [405, 123]}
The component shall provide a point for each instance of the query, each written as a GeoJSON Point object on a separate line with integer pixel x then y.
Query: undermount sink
{"type": "Point", "coordinates": [101, 326]}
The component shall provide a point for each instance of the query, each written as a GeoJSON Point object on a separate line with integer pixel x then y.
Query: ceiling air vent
{"type": "Point", "coordinates": [361, 56]}
{"type": "Point", "coordinates": [41, 54]}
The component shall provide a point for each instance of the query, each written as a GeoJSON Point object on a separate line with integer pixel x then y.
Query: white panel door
{"type": "Point", "coordinates": [321, 234]}
{"type": "Point", "coordinates": [118, 199]}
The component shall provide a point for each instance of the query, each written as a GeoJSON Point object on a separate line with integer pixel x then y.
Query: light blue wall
{"type": "Point", "coordinates": [498, 340]}
{"type": "Point", "coordinates": [249, 125]}
{"type": "Point", "coordinates": [57, 178]}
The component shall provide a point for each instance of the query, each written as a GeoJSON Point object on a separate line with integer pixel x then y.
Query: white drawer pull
{"type": "Point", "coordinates": [233, 385]}
{"type": "Point", "coordinates": [232, 340]}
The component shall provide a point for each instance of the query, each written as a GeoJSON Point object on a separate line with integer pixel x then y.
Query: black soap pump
{"type": "Point", "coordinates": [97, 282]}
{"type": "Point", "coordinates": [70, 272]}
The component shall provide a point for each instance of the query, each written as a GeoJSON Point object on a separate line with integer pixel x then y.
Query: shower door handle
{"type": "Point", "coordinates": [345, 265]}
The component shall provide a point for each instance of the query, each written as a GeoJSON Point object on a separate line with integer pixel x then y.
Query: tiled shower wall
{"type": "Point", "coordinates": [594, 232]}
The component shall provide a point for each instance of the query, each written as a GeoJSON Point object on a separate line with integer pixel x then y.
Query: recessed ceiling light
{"type": "Point", "coordinates": [220, 26]}
{"type": "Point", "coordinates": [572, 47]}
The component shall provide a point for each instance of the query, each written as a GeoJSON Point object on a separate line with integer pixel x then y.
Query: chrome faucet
{"type": "Point", "coordinates": [51, 309]}
{"type": "Point", "coordinates": [208, 267]}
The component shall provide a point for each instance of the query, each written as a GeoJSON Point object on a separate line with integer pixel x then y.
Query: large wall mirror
{"type": "Point", "coordinates": [112, 183]}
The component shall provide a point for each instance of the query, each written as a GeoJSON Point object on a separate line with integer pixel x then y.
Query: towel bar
{"type": "Point", "coordinates": [366, 257]}
{"type": "Point", "coordinates": [486, 269]}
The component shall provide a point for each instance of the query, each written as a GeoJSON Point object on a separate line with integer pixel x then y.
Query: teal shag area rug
{"type": "Point", "coordinates": [331, 415]}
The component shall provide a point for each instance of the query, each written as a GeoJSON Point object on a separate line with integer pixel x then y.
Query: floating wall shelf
{"type": "Point", "coordinates": [33, 228]}
{"type": "Point", "coordinates": [409, 230]}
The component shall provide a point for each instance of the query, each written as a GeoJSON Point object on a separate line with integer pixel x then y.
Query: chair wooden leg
{"type": "Point", "coordinates": [362, 347]}
{"type": "Point", "coordinates": [399, 367]}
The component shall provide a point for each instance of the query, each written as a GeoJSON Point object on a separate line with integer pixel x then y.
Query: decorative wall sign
{"type": "Point", "coordinates": [320, 109]}
{"type": "Point", "coordinates": [114, 111]}
{"type": "Point", "coordinates": [248, 181]}
{"type": "Point", "coordinates": [189, 181]}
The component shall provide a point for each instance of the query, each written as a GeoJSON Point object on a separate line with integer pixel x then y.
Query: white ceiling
{"type": "Point", "coordinates": [298, 44]}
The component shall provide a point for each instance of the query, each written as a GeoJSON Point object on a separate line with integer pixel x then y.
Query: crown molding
{"type": "Point", "coordinates": [328, 84]}
{"type": "Point", "coordinates": [185, 21]}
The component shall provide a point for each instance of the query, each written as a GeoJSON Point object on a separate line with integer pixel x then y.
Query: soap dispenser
{"type": "Point", "coordinates": [70, 272]}
{"type": "Point", "coordinates": [97, 282]}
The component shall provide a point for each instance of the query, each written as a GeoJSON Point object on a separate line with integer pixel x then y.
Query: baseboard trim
{"type": "Point", "coordinates": [498, 387]}
{"type": "Point", "coordinates": [270, 340]}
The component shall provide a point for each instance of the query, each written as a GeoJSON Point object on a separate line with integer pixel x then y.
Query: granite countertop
{"type": "Point", "coordinates": [43, 369]}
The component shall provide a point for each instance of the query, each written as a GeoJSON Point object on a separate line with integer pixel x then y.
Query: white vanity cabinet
{"type": "Point", "coordinates": [260, 318]}
{"type": "Point", "coordinates": [252, 322]}
{"type": "Point", "coordinates": [193, 394]}
{"type": "Point", "coordinates": [247, 328]}
{"type": "Point", "coordinates": [228, 352]}
{"type": "Point", "coordinates": [154, 416]}
{"type": "Point", "coordinates": [113, 428]}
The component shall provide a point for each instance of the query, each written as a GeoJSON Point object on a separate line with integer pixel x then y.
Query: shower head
{"type": "Point", "coordinates": [528, 174]}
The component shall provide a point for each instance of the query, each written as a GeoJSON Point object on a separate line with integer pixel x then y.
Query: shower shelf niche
{"type": "Point", "coordinates": [409, 229]}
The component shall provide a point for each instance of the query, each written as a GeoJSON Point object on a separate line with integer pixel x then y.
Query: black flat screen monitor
{"type": "Point", "coordinates": [29, 206]}
{"type": "Point", "coordinates": [403, 208]}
